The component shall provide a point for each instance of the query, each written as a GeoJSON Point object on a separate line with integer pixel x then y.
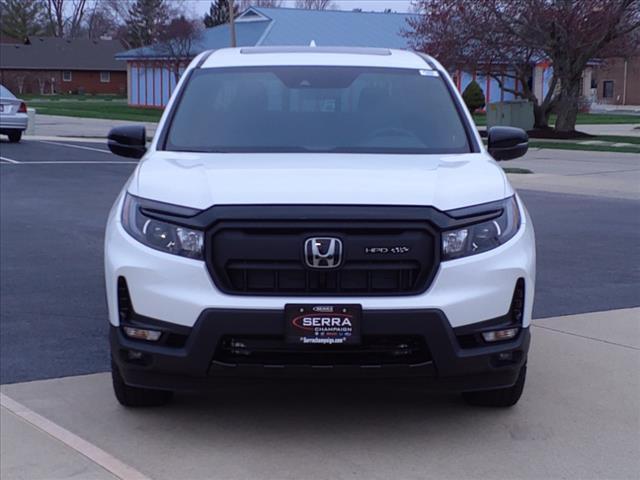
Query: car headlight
{"type": "Point", "coordinates": [160, 235]}
{"type": "Point", "coordinates": [483, 236]}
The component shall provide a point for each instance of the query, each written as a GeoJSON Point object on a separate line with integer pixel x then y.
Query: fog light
{"type": "Point", "coordinates": [498, 335]}
{"type": "Point", "coordinates": [133, 355]}
{"type": "Point", "coordinates": [505, 356]}
{"type": "Point", "coordinates": [142, 334]}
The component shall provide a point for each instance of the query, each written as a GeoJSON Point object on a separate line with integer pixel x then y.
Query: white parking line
{"type": "Point", "coordinates": [80, 445]}
{"type": "Point", "coordinates": [81, 147]}
{"type": "Point", "coordinates": [77, 162]}
{"type": "Point", "coordinates": [8, 160]}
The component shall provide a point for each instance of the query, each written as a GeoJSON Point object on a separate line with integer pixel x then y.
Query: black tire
{"type": "Point", "coordinates": [15, 137]}
{"type": "Point", "coordinates": [135, 396]}
{"type": "Point", "coordinates": [502, 397]}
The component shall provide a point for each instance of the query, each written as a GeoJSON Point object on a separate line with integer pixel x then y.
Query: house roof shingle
{"type": "Point", "coordinates": [51, 53]}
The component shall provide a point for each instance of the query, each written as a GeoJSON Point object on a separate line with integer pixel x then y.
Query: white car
{"type": "Point", "coordinates": [318, 213]}
{"type": "Point", "coordinates": [13, 115]}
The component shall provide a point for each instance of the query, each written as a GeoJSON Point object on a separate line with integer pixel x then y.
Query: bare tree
{"type": "Point", "coordinates": [570, 33]}
{"type": "Point", "coordinates": [244, 4]}
{"type": "Point", "coordinates": [505, 38]}
{"type": "Point", "coordinates": [100, 22]}
{"type": "Point", "coordinates": [466, 34]}
{"type": "Point", "coordinates": [66, 17]}
{"type": "Point", "coordinates": [20, 83]}
{"type": "Point", "coordinates": [316, 4]}
{"type": "Point", "coordinates": [176, 42]}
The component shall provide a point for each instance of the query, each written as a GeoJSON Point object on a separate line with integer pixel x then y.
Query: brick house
{"type": "Point", "coordinates": [616, 81]}
{"type": "Point", "coordinates": [48, 65]}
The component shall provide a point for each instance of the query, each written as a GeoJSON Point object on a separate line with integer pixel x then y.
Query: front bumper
{"type": "Point", "coordinates": [192, 358]}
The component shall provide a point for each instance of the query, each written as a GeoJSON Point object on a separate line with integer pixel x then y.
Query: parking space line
{"type": "Point", "coordinates": [8, 160]}
{"type": "Point", "coordinates": [80, 445]}
{"type": "Point", "coordinates": [70, 145]}
{"type": "Point", "coordinates": [78, 162]}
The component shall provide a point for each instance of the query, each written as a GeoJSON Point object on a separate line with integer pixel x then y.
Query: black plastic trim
{"type": "Point", "coordinates": [162, 139]}
{"type": "Point", "coordinates": [205, 219]}
{"type": "Point", "coordinates": [427, 268]}
{"type": "Point", "coordinates": [192, 367]}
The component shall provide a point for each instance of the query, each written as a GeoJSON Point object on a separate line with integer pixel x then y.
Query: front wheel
{"type": "Point", "coordinates": [135, 396]}
{"type": "Point", "coordinates": [501, 397]}
{"type": "Point", "coordinates": [14, 137]}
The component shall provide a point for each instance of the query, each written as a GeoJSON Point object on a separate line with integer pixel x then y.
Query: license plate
{"type": "Point", "coordinates": [323, 324]}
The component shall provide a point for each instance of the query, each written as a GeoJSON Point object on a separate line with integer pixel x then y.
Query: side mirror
{"type": "Point", "coordinates": [128, 141]}
{"type": "Point", "coordinates": [507, 143]}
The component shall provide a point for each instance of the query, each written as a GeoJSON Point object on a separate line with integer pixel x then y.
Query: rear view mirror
{"type": "Point", "coordinates": [128, 141]}
{"type": "Point", "coordinates": [507, 143]}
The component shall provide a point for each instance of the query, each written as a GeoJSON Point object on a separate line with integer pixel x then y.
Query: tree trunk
{"type": "Point", "coordinates": [540, 116]}
{"type": "Point", "coordinates": [568, 106]}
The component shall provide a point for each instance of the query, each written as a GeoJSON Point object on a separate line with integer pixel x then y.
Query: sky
{"type": "Point", "coordinates": [200, 6]}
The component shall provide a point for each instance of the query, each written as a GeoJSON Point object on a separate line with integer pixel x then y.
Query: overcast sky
{"type": "Point", "coordinates": [200, 6]}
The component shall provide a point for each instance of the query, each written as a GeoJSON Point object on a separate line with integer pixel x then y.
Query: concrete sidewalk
{"type": "Point", "coordinates": [59, 126]}
{"type": "Point", "coordinates": [579, 418]}
{"type": "Point", "coordinates": [614, 175]}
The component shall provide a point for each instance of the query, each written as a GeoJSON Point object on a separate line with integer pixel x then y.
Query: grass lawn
{"type": "Point", "coordinates": [617, 139]}
{"type": "Point", "coordinates": [578, 146]}
{"type": "Point", "coordinates": [114, 109]}
{"type": "Point", "coordinates": [583, 119]}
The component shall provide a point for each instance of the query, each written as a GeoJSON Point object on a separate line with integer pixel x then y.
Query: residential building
{"type": "Point", "coordinates": [616, 81]}
{"type": "Point", "coordinates": [152, 76]}
{"type": "Point", "coordinates": [50, 65]}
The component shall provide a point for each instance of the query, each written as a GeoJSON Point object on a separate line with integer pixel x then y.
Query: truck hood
{"type": "Point", "coordinates": [202, 180]}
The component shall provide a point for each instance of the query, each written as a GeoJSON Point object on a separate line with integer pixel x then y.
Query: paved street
{"type": "Point", "coordinates": [579, 416]}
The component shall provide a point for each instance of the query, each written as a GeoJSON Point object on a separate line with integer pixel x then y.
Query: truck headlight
{"type": "Point", "coordinates": [483, 236]}
{"type": "Point", "coordinates": [160, 235]}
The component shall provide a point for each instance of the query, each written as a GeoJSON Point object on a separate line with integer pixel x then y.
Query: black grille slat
{"type": "Point", "coordinates": [267, 258]}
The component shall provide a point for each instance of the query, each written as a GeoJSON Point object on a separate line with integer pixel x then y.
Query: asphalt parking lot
{"type": "Point", "coordinates": [53, 209]}
{"type": "Point", "coordinates": [578, 417]}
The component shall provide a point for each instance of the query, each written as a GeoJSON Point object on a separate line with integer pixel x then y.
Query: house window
{"type": "Point", "coordinates": [105, 77]}
{"type": "Point", "coordinates": [67, 76]}
{"type": "Point", "coordinates": [607, 89]}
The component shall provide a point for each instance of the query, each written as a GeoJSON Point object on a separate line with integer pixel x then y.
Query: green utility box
{"type": "Point", "coordinates": [514, 113]}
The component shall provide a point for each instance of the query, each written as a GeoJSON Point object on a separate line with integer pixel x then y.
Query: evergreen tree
{"type": "Point", "coordinates": [218, 13]}
{"type": "Point", "coordinates": [21, 18]}
{"type": "Point", "coordinates": [473, 96]}
{"type": "Point", "coordinates": [145, 22]}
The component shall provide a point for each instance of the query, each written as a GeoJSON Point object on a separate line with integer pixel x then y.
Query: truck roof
{"type": "Point", "coordinates": [330, 56]}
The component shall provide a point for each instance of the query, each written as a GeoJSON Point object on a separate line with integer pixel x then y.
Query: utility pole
{"type": "Point", "coordinates": [232, 24]}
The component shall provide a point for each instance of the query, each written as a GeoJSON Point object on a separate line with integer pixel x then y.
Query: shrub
{"type": "Point", "coordinates": [473, 96]}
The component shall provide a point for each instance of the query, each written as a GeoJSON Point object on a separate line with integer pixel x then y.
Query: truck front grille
{"type": "Point", "coordinates": [268, 258]}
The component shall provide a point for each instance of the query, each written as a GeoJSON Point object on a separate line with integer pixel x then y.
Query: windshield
{"type": "Point", "coordinates": [316, 109]}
